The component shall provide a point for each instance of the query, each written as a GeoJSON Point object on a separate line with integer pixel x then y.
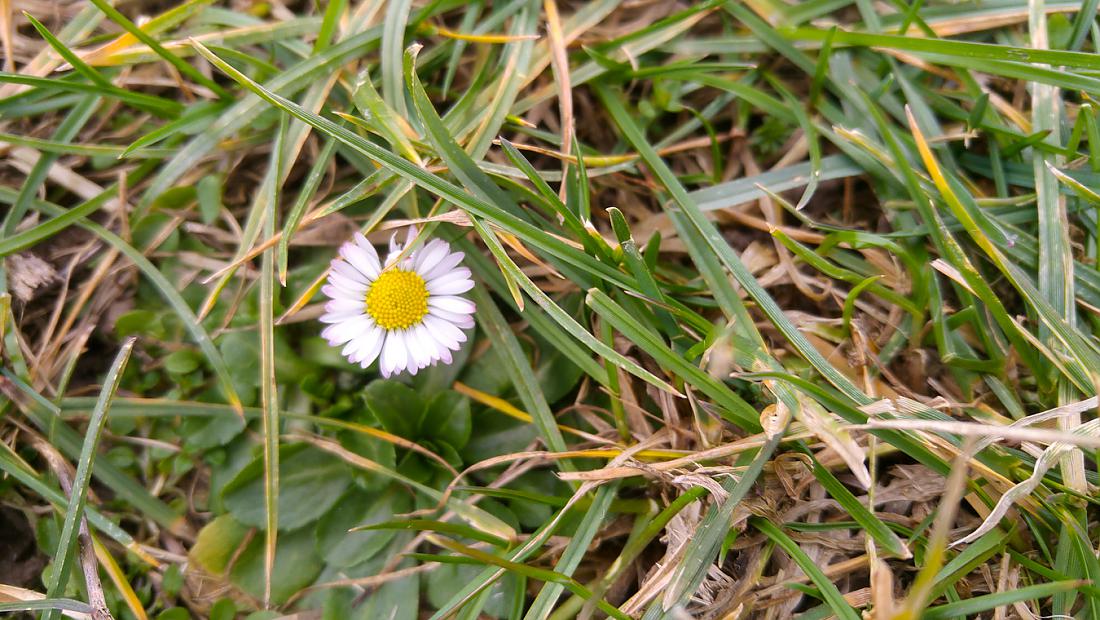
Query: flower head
{"type": "Point", "coordinates": [408, 314]}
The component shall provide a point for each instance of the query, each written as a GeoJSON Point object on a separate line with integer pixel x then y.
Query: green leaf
{"type": "Point", "coordinates": [209, 194]}
{"type": "Point", "coordinates": [296, 566]}
{"type": "Point", "coordinates": [447, 418]}
{"type": "Point", "coordinates": [339, 545]}
{"type": "Point", "coordinates": [217, 543]}
{"type": "Point", "coordinates": [182, 362]}
{"type": "Point", "coordinates": [396, 406]}
{"type": "Point", "coordinates": [310, 482]}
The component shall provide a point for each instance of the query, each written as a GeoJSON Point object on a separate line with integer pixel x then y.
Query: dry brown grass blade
{"type": "Point", "coordinates": [559, 62]}
{"type": "Point", "coordinates": [15, 594]}
{"type": "Point", "coordinates": [7, 34]}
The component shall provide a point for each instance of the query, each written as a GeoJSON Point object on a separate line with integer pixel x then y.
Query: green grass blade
{"type": "Point", "coordinates": [829, 593]}
{"type": "Point", "coordinates": [13, 466]}
{"type": "Point", "coordinates": [978, 604]}
{"type": "Point", "coordinates": [44, 414]}
{"type": "Point", "coordinates": [574, 552]}
{"type": "Point", "coordinates": [712, 531]}
{"type": "Point", "coordinates": [48, 604]}
{"type": "Point", "coordinates": [519, 370]}
{"type": "Point", "coordinates": [269, 398]}
{"type": "Point", "coordinates": [64, 558]}
{"type": "Point", "coordinates": [181, 65]}
{"type": "Point", "coordinates": [722, 249]}
{"type": "Point", "coordinates": [162, 107]}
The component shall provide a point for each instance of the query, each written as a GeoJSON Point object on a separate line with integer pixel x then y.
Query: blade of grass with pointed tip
{"type": "Point", "coordinates": [482, 186]}
{"type": "Point", "coordinates": [244, 111]}
{"type": "Point", "coordinates": [550, 330]}
{"type": "Point", "coordinates": [974, 555]}
{"type": "Point", "coordinates": [874, 526]}
{"type": "Point", "coordinates": [825, 586]}
{"type": "Point", "coordinates": [63, 50]}
{"type": "Point", "coordinates": [64, 557]}
{"type": "Point", "coordinates": [1084, 353]}
{"type": "Point", "coordinates": [90, 150]}
{"type": "Point", "coordinates": [738, 411]}
{"type": "Point", "coordinates": [301, 203]}
{"type": "Point", "coordinates": [197, 117]}
{"type": "Point", "coordinates": [505, 220]}
{"type": "Point", "coordinates": [567, 322]}
{"type": "Point", "coordinates": [382, 118]}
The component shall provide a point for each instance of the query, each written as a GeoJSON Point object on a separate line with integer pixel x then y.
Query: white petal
{"type": "Point", "coordinates": [347, 284]}
{"type": "Point", "coordinates": [372, 354]}
{"type": "Point", "coordinates": [340, 317]}
{"type": "Point", "coordinates": [429, 255]}
{"type": "Point", "coordinates": [339, 333]}
{"type": "Point", "coordinates": [422, 345]}
{"type": "Point", "coordinates": [351, 349]}
{"type": "Point", "coordinates": [453, 304]}
{"type": "Point", "coordinates": [396, 249]}
{"type": "Point", "coordinates": [444, 265]}
{"type": "Point", "coordinates": [461, 321]}
{"type": "Point", "coordinates": [362, 344]}
{"type": "Point", "coordinates": [395, 355]}
{"type": "Point", "coordinates": [403, 355]}
{"type": "Point", "coordinates": [458, 273]}
{"type": "Point", "coordinates": [362, 255]}
{"type": "Point", "coordinates": [453, 286]}
{"type": "Point", "coordinates": [387, 362]}
{"type": "Point", "coordinates": [413, 349]}
{"type": "Point", "coordinates": [336, 291]}
{"type": "Point", "coordinates": [444, 332]}
{"type": "Point", "coordinates": [340, 305]}
{"type": "Point", "coordinates": [369, 346]}
{"type": "Point", "coordinates": [346, 269]}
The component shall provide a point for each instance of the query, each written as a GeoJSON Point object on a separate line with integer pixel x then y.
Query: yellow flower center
{"type": "Point", "coordinates": [397, 299]}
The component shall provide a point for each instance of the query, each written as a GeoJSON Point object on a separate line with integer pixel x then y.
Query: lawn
{"type": "Point", "coordinates": [539, 310]}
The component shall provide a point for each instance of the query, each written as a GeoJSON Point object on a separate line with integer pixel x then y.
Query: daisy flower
{"type": "Point", "coordinates": [408, 314]}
